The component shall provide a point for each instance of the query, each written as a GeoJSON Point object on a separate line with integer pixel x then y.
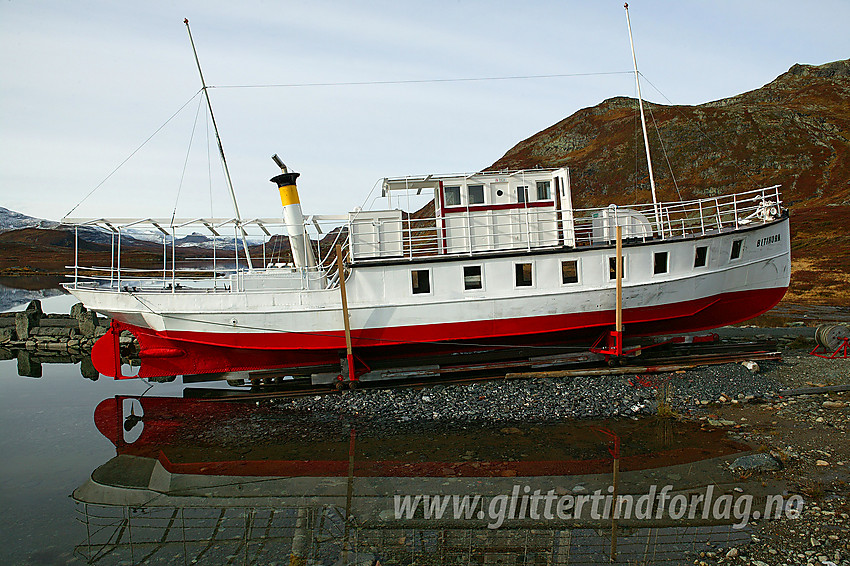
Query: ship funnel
{"type": "Point", "coordinates": [302, 252]}
{"type": "Point", "coordinates": [280, 164]}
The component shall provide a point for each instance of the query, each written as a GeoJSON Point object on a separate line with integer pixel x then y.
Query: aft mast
{"type": "Point", "coordinates": [221, 150]}
{"type": "Point", "coordinates": [655, 206]}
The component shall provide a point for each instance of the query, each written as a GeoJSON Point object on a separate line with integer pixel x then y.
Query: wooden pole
{"type": "Point", "coordinates": [348, 350]}
{"type": "Point", "coordinates": [615, 510]}
{"type": "Point", "coordinates": [619, 279]}
{"type": "Point", "coordinates": [349, 494]}
{"type": "Point", "coordinates": [619, 307]}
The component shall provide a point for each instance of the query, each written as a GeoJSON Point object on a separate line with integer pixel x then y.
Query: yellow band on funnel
{"type": "Point", "coordinates": [289, 195]}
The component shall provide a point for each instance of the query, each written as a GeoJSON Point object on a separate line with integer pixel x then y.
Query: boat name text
{"type": "Point", "coordinates": [768, 240]}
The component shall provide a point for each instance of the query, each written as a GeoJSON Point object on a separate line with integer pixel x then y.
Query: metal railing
{"type": "Point", "coordinates": [217, 266]}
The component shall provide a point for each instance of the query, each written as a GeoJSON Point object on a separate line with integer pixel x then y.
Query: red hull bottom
{"type": "Point", "coordinates": [191, 353]}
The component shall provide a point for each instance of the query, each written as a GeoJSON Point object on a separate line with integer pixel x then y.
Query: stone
{"type": "Point", "coordinates": [88, 322]}
{"type": "Point", "coordinates": [760, 462]}
{"type": "Point", "coordinates": [27, 367]}
{"type": "Point", "coordinates": [27, 321]}
{"type": "Point", "coordinates": [88, 370]}
{"type": "Point", "coordinates": [733, 552]}
{"type": "Point", "coordinates": [77, 310]}
{"type": "Point", "coordinates": [821, 463]}
{"type": "Point", "coordinates": [834, 405]}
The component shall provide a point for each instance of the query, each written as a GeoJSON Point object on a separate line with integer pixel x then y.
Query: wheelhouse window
{"type": "Point", "coordinates": [569, 271]}
{"type": "Point", "coordinates": [543, 190]}
{"type": "Point", "coordinates": [452, 196]}
{"type": "Point", "coordinates": [612, 267]}
{"type": "Point", "coordinates": [523, 275]}
{"type": "Point", "coordinates": [659, 262]}
{"type": "Point", "coordinates": [476, 194]}
{"type": "Point", "coordinates": [522, 194]}
{"type": "Point", "coordinates": [700, 256]}
{"type": "Point", "coordinates": [420, 281]}
{"type": "Point", "coordinates": [472, 277]}
{"type": "Point", "coordinates": [737, 246]}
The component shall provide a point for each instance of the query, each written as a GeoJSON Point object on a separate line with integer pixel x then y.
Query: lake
{"type": "Point", "coordinates": [120, 472]}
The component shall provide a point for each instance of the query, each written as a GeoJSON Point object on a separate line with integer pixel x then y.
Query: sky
{"type": "Point", "coordinates": [84, 84]}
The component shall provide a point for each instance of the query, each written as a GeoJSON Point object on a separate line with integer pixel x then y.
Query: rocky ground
{"type": "Point", "coordinates": [804, 433]}
{"type": "Point", "coordinates": [808, 434]}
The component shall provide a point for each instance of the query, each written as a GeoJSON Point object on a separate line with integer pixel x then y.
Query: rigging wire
{"type": "Point", "coordinates": [703, 132]}
{"type": "Point", "coordinates": [134, 152]}
{"type": "Point", "coordinates": [209, 159]}
{"type": "Point", "coordinates": [664, 151]}
{"type": "Point", "coordinates": [425, 81]}
{"type": "Point", "coordinates": [186, 161]}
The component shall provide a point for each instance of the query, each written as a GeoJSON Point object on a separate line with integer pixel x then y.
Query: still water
{"type": "Point", "coordinates": [115, 472]}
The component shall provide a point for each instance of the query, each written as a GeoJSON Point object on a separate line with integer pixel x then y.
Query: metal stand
{"type": "Point", "coordinates": [614, 338]}
{"type": "Point", "coordinates": [841, 351]}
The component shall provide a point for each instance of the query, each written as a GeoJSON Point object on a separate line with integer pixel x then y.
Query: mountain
{"type": "Point", "coordinates": [11, 220]}
{"type": "Point", "coordinates": [36, 247]}
{"type": "Point", "coordinates": [794, 132]}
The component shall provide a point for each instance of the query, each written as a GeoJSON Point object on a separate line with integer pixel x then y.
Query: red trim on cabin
{"type": "Point", "coordinates": [484, 207]}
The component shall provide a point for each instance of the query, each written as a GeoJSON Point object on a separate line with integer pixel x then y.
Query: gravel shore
{"type": "Point", "coordinates": [595, 397]}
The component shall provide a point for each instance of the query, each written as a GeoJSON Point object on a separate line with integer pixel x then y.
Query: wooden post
{"type": "Point", "coordinates": [348, 350]}
{"type": "Point", "coordinates": [615, 509]}
{"type": "Point", "coordinates": [349, 494]}
{"type": "Point", "coordinates": [619, 306]}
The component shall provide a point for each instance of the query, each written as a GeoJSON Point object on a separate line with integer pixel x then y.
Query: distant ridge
{"type": "Point", "coordinates": [11, 220]}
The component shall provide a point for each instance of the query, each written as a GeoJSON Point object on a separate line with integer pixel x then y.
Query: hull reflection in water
{"type": "Point", "coordinates": [233, 482]}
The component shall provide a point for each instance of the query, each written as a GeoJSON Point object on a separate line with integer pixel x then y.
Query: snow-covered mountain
{"type": "Point", "coordinates": [11, 220]}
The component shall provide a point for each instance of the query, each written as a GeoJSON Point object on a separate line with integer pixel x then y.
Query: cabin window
{"type": "Point", "coordinates": [452, 195]}
{"type": "Point", "coordinates": [421, 281]}
{"type": "Point", "coordinates": [543, 191]}
{"type": "Point", "coordinates": [701, 256]}
{"type": "Point", "coordinates": [737, 245]}
{"type": "Point", "coordinates": [569, 271]}
{"type": "Point", "coordinates": [659, 262]}
{"type": "Point", "coordinates": [522, 194]}
{"type": "Point", "coordinates": [476, 194]}
{"type": "Point", "coordinates": [472, 277]}
{"type": "Point", "coordinates": [523, 274]}
{"type": "Point", "coordinates": [612, 267]}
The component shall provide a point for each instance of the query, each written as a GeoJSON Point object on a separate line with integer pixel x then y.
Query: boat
{"type": "Point", "coordinates": [262, 482]}
{"type": "Point", "coordinates": [496, 261]}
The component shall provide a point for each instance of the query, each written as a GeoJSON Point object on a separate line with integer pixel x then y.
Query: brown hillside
{"type": "Point", "coordinates": [794, 132]}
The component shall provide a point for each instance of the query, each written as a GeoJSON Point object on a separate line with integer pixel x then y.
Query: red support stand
{"type": "Point", "coordinates": [613, 344]}
{"type": "Point", "coordinates": [841, 351]}
{"type": "Point", "coordinates": [610, 343]}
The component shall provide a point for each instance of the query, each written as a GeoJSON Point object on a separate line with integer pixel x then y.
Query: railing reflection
{"type": "Point", "coordinates": [232, 482]}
